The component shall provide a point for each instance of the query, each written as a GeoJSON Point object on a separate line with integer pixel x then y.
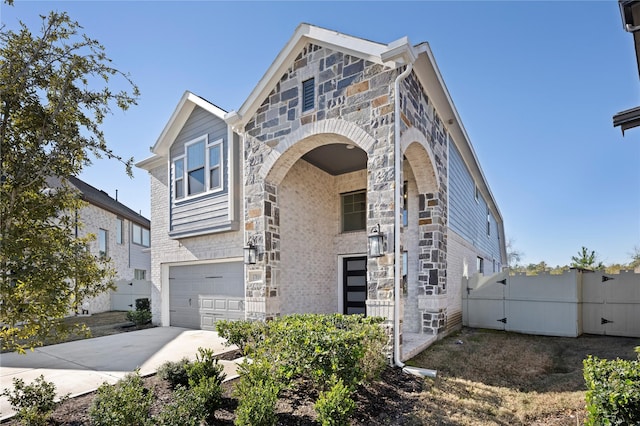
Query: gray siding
{"type": "Point", "coordinates": [209, 211]}
{"type": "Point", "coordinates": [468, 216]}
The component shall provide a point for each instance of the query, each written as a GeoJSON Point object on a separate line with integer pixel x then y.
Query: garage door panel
{"type": "Point", "coordinates": [200, 295]}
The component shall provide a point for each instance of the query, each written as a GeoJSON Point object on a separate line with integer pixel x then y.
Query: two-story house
{"type": "Point", "coordinates": [346, 182]}
{"type": "Point", "coordinates": [124, 237]}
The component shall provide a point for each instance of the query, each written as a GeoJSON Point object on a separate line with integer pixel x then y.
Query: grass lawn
{"type": "Point", "coordinates": [490, 377]}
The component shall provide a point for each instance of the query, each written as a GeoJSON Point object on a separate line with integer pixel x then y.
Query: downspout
{"type": "Point", "coordinates": [396, 224]}
{"type": "Point", "coordinates": [422, 372]}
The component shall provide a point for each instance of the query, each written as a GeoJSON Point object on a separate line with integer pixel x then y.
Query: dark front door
{"type": "Point", "coordinates": [354, 277]}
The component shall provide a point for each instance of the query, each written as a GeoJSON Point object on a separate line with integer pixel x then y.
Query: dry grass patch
{"type": "Point", "coordinates": [496, 378]}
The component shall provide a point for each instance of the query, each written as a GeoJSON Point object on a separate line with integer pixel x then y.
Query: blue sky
{"type": "Point", "coordinates": [535, 83]}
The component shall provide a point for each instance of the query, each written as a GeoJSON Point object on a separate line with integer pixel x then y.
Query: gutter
{"type": "Point", "coordinates": [401, 50]}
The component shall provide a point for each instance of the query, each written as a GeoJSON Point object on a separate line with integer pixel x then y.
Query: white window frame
{"type": "Point", "coordinates": [119, 232]}
{"type": "Point", "coordinates": [184, 179]}
{"type": "Point", "coordinates": [139, 274]}
{"type": "Point", "coordinates": [176, 178]}
{"type": "Point", "coordinates": [140, 241]}
{"type": "Point", "coordinates": [103, 233]}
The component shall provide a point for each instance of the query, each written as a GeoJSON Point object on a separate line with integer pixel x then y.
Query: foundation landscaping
{"type": "Point", "coordinates": [330, 370]}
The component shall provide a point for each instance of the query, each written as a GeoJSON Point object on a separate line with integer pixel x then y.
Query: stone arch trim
{"type": "Point", "coordinates": [425, 176]}
{"type": "Point", "coordinates": [286, 155]}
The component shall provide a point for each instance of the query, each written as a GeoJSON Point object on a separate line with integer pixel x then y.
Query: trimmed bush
{"type": "Point", "coordinates": [175, 372]}
{"type": "Point", "coordinates": [125, 403]}
{"type": "Point", "coordinates": [334, 407]}
{"type": "Point", "coordinates": [206, 366]}
{"type": "Point", "coordinates": [142, 314]}
{"type": "Point", "coordinates": [244, 334]}
{"type": "Point", "coordinates": [34, 402]}
{"type": "Point", "coordinates": [613, 391]}
{"type": "Point", "coordinates": [187, 409]}
{"type": "Point", "coordinates": [257, 393]}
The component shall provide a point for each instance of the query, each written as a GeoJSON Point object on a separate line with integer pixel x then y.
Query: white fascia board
{"type": "Point", "coordinates": [303, 34]}
{"type": "Point", "coordinates": [151, 162]}
{"type": "Point", "coordinates": [428, 72]}
{"type": "Point", "coordinates": [180, 115]}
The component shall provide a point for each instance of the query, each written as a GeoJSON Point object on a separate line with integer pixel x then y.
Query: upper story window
{"type": "Point", "coordinates": [488, 223]}
{"type": "Point", "coordinates": [119, 230]}
{"type": "Point", "coordinates": [308, 94]}
{"type": "Point", "coordinates": [140, 235]}
{"type": "Point", "coordinates": [354, 211]}
{"type": "Point", "coordinates": [103, 244]}
{"type": "Point", "coordinates": [199, 170]}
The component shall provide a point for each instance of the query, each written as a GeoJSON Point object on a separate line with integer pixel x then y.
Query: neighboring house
{"type": "Point", "coordinates": [305, 173]}
{"type": "Point", "coordinates": [124, 237]}
{"type": "Point", "coordinates": [630, 11]}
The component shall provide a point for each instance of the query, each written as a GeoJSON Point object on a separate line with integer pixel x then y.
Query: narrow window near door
{"type": "Point", "coordinates": [354, 209]}
{"type": "Point", "coordinates": [480, 265]}
{"type": "Point", "coordinates": [405, 205]}
{"type": "Point", "coordinates": [139, 274]}
{"type": "Point", "coordinates": [308, 95]}
{"type": "Point", "coordinates": [405, 269]}
{"type": "Point", "coordinates": [103, 235]}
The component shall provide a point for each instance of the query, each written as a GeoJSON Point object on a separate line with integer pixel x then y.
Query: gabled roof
{"type": "Point", "coordinates": [183, 110]}
{"type": "Point", "coordinates": [392, 55]}
{"type": "Point", "coordinates": [101, 199]}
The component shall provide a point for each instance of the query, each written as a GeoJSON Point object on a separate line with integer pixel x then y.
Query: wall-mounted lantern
{"type": "Point", "coordinates": [376, 242]}
{"type": "Point", "coordinates": [250, 253]}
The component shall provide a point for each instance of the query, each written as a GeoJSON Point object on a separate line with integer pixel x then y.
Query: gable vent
{"type": "Point", "coordinates": [308, 94]}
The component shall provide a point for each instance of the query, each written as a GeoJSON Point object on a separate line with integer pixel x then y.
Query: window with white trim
{"type": "Point", "coordinates": [199, 170]}
{"type": "Point", "coordinates": [139, 274]}
{"type": "Point", "coordinates": [119, 230]}
{"type": "Point", "coordinates": [103, 238]}
{"type": "Point", "coordinates": [140, 235]}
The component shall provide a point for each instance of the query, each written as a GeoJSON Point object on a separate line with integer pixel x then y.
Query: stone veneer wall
{"type": "Point", "coordinates": [418, 113]}
{"type": "Point", "coordinates": [348, 90]}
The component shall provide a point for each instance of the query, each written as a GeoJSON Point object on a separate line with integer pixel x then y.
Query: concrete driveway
{"type": "Point", "coordinates": [81, 366]}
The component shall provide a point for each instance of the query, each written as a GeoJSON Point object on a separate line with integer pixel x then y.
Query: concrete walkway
{"type": "Point", "coordinates": [81, 366]}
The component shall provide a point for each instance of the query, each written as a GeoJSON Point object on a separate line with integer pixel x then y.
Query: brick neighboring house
{"type": "Point", "coordinates": [122, 235]}
{"type": "Point", "coordinates": [305, 171]}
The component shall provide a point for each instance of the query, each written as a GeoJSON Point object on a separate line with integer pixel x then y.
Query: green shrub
{"type": "Point", "coordinates": [143, 304]}
{"type": "Point", "coordinates": [206, 366]}
{"type": "Point", "coordinates": [125, 403]}
{"type": "Point", "coordinates": [321, 347]}
{"type": "Point", "coordinates": [187, 409]}
{"type": "Point", "coordinates": [142, 314]}
{"type": "Point", "coordinates": [33, 403]}
{"type": "Point", "coordinates": [175, 372]}
{"type": "Point", "coordinates": [244, 334]}
{"type": "Point", "coordinates": [613, 391]}
{"type": "Point", "coordinates": [334, 407]}
{"type": "Point", "coordinates": [257, 393]}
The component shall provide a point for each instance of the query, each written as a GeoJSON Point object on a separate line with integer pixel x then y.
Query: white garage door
{"type": "Point", "coordinates": [199, 295]}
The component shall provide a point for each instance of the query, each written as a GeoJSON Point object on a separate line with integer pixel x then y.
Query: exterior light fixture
{"type": "Point", "coordinates": [376, 242]}
{"type": "Point", "coordinates": [250, 253]}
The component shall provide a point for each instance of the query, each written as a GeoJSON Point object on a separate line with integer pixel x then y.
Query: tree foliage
{"type": "Point", "coordinates": [54, 96]}
{"type": "Point", "coordinates": [586, 260]}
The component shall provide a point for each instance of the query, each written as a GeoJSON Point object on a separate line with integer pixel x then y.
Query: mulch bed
{"type": "Point", "coordinates": [388, 401]}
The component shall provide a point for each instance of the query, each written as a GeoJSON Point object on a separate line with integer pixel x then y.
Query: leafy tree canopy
{"type": "Point", "coordinates": [54, 96]}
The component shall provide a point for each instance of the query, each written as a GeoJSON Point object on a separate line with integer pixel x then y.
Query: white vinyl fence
{"type": "Point", "coordinates": [123, 298]}
{"type": "Point", "coordinates": [570, 304]}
